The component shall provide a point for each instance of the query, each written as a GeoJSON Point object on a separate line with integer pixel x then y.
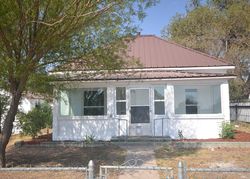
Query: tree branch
{"type": "Point", "coordinates": [76, 17]}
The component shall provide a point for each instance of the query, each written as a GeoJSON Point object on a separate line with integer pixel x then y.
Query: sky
{"type": "Point", "coordinates": [160, 15]}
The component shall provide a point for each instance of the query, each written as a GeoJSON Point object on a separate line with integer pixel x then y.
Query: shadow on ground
{"type": "Point", "coordinates": [28, 156]}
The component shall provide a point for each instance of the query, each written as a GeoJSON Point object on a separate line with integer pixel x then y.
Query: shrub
{"type": "Point", "coordinates": [89, 139]}
{"type": "Point", "coordinates": [227, 131]}
{"type": "Point", "coordinates": [38, 118]}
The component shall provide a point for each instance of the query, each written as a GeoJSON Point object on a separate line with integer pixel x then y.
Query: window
{"type": "Point", "coordinates": [94, 102]}
{"type": "Point", "coordinates": [121, 101]}
{"type": "Point", "coordinates": [159, 101]}
{"type": "Point", "coordinates": [197, 99]}
{"type": "Point", "coordinates": [139, 105]}
{"type": "Point", "coordinates": [191, 101]}
{"type": "Point", "coordinates": [64, 103]}
{"type": "Point", "coordinates": [83, 102]}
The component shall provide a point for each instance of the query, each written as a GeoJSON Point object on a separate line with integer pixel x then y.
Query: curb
{"type": "Point", "coordinates": [193, 145]}
{"type": "Point", "coordinates": [177, 144]}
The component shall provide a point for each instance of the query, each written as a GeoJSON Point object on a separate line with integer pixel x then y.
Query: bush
{"type": "Point", "coordinates": [227, 131]}
{"type": "Point", "coordinates": [38, 118]}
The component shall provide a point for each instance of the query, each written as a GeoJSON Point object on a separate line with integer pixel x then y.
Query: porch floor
{"type": "Point", "coordinates": [141, 138]}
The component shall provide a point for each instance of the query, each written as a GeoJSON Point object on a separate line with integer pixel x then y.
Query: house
{"type": "Point", "coordinates": [177, 91]}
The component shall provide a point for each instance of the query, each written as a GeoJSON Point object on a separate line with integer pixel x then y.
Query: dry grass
{"type": "Point", "coordinates": [43, 175]}
{"type": "Point", "coordinates": [208, 158]}
{"type": "Point", "coordinates": [17, 137]}
{"type": "Point", "coordinates": [204, 158]}
{"type": "Point", "coordinates": [241, 126]}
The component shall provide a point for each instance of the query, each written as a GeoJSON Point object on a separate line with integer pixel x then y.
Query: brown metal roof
{"type": "Point", "coordinates": [154, 52]}
{"type": "Point", "coordinates": [138, 75]}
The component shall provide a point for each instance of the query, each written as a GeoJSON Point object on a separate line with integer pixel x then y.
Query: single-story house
{"type": "Point", "coordinates": [177, 92]}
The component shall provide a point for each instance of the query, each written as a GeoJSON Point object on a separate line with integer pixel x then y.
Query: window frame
{"type": "Point", "coordinates": [219, 115]}
{"type": "Point", "coordinates": [159, 100]}
{"type": "Point", "coordinates": [91, 107]}
{"type": "Point", "coordinates": [121, 101]}
{"type": "Point", "coordinates": [68, 91]}
{"type": "Point", "coordinates": [196, 98]}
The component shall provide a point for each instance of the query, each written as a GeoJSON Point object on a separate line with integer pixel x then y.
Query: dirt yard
{"type": "Point", "coordinates": [211, 158]}
{"type": "Point", "coordinates": [28, 156]}
{"type": "Point", "coordinates": [113, 155]}
{"type": "Point", "coordinates": [204, 158]}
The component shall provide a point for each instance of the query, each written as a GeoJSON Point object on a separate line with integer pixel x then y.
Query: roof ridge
{"type": "Point", "coordinates": [190, 49]}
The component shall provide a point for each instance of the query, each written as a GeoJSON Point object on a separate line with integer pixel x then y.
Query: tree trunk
{"type": "Point", "coordinates": [8, 125]}
{"type": "Point", "coordinates": [2, 156]}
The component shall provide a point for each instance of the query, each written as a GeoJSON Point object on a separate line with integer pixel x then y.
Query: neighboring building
{"type": "Point", "coordinates": [29, 101]}
{"type": "Point", "coordinates": [178, 91]}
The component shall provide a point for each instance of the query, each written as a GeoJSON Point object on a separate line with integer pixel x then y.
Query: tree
{"type": "Point", "coordinates": [220, 28]}
{"type": "Point", "coordinates": [38, 118]}
{"type": "Point", "coordinates": [36, 36]}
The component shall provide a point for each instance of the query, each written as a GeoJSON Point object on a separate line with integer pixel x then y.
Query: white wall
{"type": "Point", "coordinates": [105, 127]}
{"type": "Point", "coordinates": [199, 126]}
{"type": "Point", "coordinates": [78, 127]}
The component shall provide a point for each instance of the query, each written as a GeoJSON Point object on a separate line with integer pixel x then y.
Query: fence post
{"type": "Point", "coordinates": [91, 170]}
{"type": "Point", "coordinates": [236, 111]}
{"type": "Point", "coordinates": [181, 170]}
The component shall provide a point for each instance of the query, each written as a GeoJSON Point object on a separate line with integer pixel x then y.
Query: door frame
{"type": "Point", "coordinates": [142, 125]}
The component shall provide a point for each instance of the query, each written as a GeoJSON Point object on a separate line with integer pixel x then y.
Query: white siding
{"type": "Point", "coordinates": [105, 127]}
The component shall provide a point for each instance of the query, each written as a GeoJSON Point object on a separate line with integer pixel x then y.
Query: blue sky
{"type": "Point", "coordinates": [160, 15]}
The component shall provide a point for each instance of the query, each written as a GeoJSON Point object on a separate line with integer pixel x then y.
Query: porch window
{"type": "Point", "coordinates": [64, 103]}
{"type": "Point", "coordinates": [94, 102]}
{"type": "Point", "coordinates": [191, 101]}
{"type": "Point", "coordinates": [121, 101]}
{"type": "Point", "coordinates": [197, 99]}
{"type": "Point", "coordinates": [83, 102]}
{"type": "Point", "coordinates": [159, 101]}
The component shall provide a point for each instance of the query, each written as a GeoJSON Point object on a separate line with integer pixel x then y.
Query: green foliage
{"type": "Point", "coordinates": [38, 36]}
{"type": "Point", "coordinates": [219, 28]}
{"type": "Point", "coordinates": [4, 102]}
{"type": "Point", "coordinates": [227, 131]}
{"type": "Point", "coordinates": [236, 87]}
{"type": "Point", "coordinates": [88, 139]}
{"type": "Point", "coordinates": [38, 118]}
{"type": "Point", "coordinates": [180, 134]}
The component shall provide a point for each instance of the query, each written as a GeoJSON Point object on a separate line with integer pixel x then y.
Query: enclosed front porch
{"type": "Point", "coordinates": [193, 109]}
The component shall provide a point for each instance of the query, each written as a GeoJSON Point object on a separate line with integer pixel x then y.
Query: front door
{"type": "Point", "coordinates": [140, 112]}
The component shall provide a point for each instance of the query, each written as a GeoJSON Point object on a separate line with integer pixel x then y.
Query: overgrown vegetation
{"type": "Point", "coordinates": [227, 131]}
{"type": "Point", "coordinates": [38, 118]}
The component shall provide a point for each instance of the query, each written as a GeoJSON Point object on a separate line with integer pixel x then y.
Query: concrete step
{"type": "Point", "coordinates": [141, 139]}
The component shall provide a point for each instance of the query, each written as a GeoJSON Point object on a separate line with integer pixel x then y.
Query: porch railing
{"type": "Point", "coordinates": [162, 125]}
{"type": "Point", "coordinates": [119, 125]}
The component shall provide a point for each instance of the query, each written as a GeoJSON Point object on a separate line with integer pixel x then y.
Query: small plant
{"type": "Point", "coordinates": [88, 139]}
{"type": "Point", "coordinates": [180, 134]}
{"type": "Point", "coordinates": [227, 131]}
